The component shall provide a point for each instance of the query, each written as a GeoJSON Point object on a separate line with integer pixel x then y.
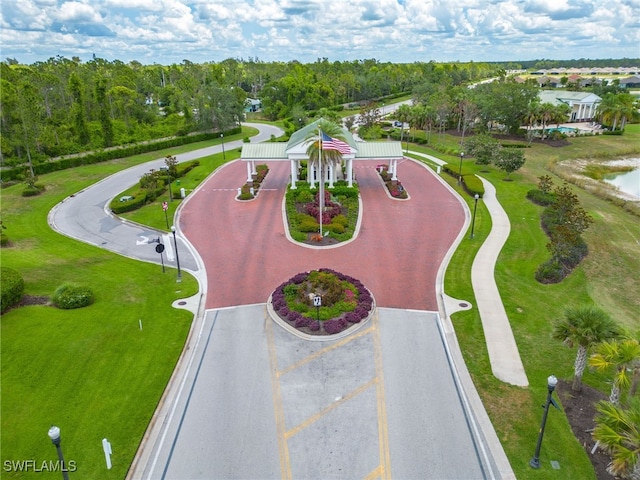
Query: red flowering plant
{"type": "Point", "coordinates": [344, 301]}
{"type": "Point", "coordinates": [395, 188]}
{"type": "Point", "coordinates": [331, 208]}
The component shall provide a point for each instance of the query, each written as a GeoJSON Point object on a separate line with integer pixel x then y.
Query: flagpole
{"type": "Point", "coordinates": [321, 179]}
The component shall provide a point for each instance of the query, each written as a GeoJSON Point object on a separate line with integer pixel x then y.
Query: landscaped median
{"type": "Point", "coordinates": [321, 304]}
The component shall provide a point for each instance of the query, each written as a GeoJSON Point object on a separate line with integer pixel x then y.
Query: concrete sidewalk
{"type": "Point", "coordinates": [501, 345]}
{"type": "Point", "coordinates": [504, 357]}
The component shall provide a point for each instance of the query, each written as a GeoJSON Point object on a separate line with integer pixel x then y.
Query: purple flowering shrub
{"type": "Point", "coordinates": [345, 301]}
{"type": "Point", "coordinates": [331, 209]}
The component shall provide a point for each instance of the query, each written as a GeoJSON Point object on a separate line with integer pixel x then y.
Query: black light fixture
{"type": "Point", "coordinates": [460, 170]}
{"type": "Point", "coordinates": [475, 207]}
{"type": "Point", "coordinates": [175, 244]}
{"type": "Point", "coordinates": [54, 435]}
{"type": "Point", "coordinates": [552, 381]}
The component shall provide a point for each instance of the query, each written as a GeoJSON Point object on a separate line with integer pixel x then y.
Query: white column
{"type": "Point", "coordinates": [394, 173]}
{"type": "Point", "coordinates": [350, 172]}
{"type": "Point", "coordinates": [294, 174]}
{"type": "Point", "coordinates": [311, 173]}
{"type": "Point", "coordinates": [249, 179]}
{"type": "Point", "coordinates": [331, 174]}
{"type": "Point", "coordinates": [253, 167]}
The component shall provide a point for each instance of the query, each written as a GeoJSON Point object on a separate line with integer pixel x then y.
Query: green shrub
{"type": "Point", "coordinates": [540, 198]}
{"type": "Point", "coordinates": [118, 207]}
{"type": "Point", "coordinates": [550, 271]}
{"type": "Point", "coordinates": [341, 220]}
{"type": "Point", "coordinates": [341, 189]}
{"type": "Point", "coordinates": [304, 196]}
{"type": "Point", "coordinates": [70, 295]}
{"type": "Point", "coordinates": [31, 191]}
{"type": "Point", "coordinates": [335, 227]}
{"type": "Point", "coordinates": [473, 185]}
{"type": "Point", "coordinates": [307, 224]}
{"type": "Point", "coordinates": [12, 287]}
{"type": "Point", "coordinates": [4, 240]}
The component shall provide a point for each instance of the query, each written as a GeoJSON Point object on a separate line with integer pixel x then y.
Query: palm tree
{"type": "Point", "coordinates": [621, 354]}
{"type": "Point", "coordinates": [313, 150]}
{"type": "Point", "coordinates": [545, 112]}
{"type": "Point", "coordinates": [618, 431]}
{"type": "Point", "coordinates": [614, 108]}
{"type": "Point", "coordinates": [583, 326]}
{"type": "Point", "coordinates": [531, 118]}
{"type": "Point", "coordinates": [331, 157]}
{"type": "Point", "coordinates": [403, 114]}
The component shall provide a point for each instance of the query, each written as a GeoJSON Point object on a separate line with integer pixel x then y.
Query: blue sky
{"type": "Point", "coordinates": [170, 31]}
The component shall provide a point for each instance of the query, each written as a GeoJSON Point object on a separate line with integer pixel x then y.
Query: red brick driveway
{"type": "Point", "coordinates": [396, 254]}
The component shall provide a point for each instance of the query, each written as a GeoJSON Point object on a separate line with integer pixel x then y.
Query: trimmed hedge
{"type": "Point", "coordinates": [70, 295]}
{"type": "Point", "coordinates": [473, 185]}
{"type": "Point", "coordinates": [541, 198]}
{"type": "Point", "coordinates": [12, 288]}
{"type": "Point", "coordinates": [111, 154]}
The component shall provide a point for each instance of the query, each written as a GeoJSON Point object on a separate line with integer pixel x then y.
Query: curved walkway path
{"type": "Point", "coordinates": [504, 357]}
{"type": "Point", "coordinates": [501, 345]}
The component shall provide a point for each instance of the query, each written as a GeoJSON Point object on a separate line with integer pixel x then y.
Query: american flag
{"type": "Point", "coordinates": [329, 143]}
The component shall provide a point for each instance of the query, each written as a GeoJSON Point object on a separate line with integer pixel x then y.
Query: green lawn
{"type": "Point", "coordinates": [608, 277]}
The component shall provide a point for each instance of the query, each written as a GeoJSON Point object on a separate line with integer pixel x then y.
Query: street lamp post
{"type": "Point", "coordinates": [460, 170]}
{"type": "Point", "coordinates": [175, 244]}
{"type": "Point", "coordinates": [223, 155]}
{"type": "Point", "coordinates": [54, 435]}
{"type": "Point", "coordinates": [552, 381]}
{"type": "Point", "coordinates": [475, 206]}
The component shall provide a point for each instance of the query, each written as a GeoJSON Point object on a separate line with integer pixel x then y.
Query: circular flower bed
{"type": "Point", "coordinates": [345, 301]}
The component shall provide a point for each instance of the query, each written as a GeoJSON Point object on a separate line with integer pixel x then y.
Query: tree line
{"type": "Point", "coordinates": [63, 106]}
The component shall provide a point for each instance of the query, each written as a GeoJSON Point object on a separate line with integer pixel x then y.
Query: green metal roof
{"type": "Point", "coordinates": [264, 151]}
{"type": "Point", "coordinates": [378, 150]}
{"type": "Point", "coordinates": [301, 135]}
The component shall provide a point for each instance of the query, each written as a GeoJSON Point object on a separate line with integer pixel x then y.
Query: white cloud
{"type": "Point", "coordinates": [167, 31]}
{"type": "Point", "coordinates": [77, 12]}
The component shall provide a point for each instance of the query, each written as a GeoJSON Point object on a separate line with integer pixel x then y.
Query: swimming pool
{"type": "Point", "coordinates": [562, 130]}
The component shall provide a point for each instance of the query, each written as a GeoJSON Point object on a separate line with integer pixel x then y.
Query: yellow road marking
{"type": "Point", "coordinates": [319, 353]}
{"type": "Point", "coordinates": [320, 414]}
{"type": "Point", "coordinates": [383, 431]}
{"type": "Point", "coordinates": [377, 473]}
{"type": "Point", "coordinates": [283, 447]}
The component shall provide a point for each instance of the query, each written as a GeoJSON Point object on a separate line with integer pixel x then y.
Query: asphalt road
{"type": "Point", "coordinates": [260, 403]}
{"type": "Point", "coordinates": [85, 215]}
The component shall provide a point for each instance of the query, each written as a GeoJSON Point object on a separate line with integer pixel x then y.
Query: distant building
{"type": "Point", "coordinates": [630, 82]}
{"type": "Point", "coordinates": [583, 104]}
{"type": "Point", "coordinates": [252, 105]}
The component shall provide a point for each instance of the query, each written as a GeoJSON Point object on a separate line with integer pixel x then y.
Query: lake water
{"type": "Point", "coordinates": [628, 182]}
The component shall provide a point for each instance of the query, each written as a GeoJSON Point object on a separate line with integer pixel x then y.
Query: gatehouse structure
{"type": "Point", "coordinates": [295, 151]}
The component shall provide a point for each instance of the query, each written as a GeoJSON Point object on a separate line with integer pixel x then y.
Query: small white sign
{"type": "Point", "coordinates": [106, 446]}
{"type": "Point", "coordinates": [317, 301]}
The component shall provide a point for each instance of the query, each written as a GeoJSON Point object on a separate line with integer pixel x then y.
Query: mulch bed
{"type": "Point", "coordinates": [580, 409]}
{"type": "Point", "coordinates": [29, 300]}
